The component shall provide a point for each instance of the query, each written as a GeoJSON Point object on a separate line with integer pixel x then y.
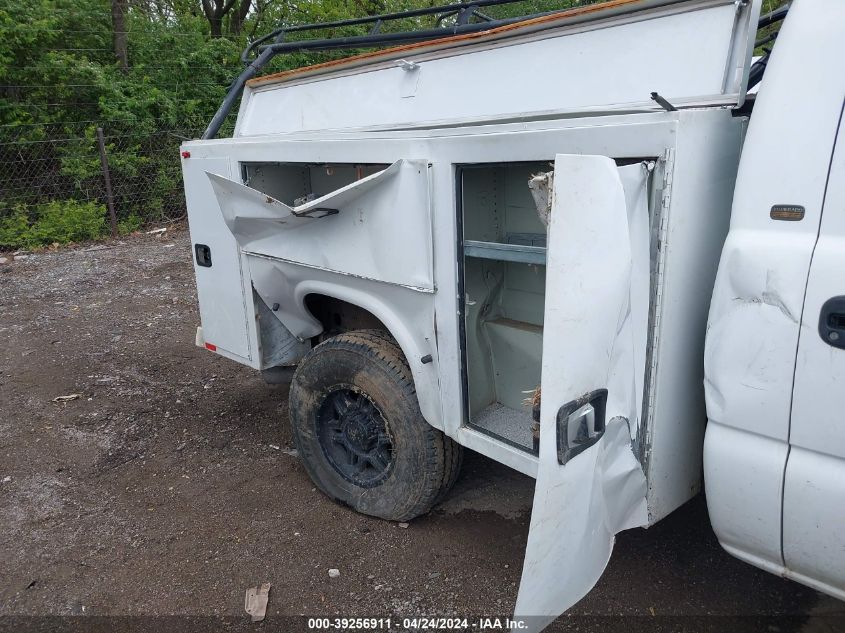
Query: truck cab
{"type": "Point", "coordinates": [774, 451]}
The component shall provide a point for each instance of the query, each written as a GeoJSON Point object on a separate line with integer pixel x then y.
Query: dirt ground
{"type": "Point", "coordinates": [167, 489]}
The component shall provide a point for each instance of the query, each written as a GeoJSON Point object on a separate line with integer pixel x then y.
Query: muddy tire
{"type": "Point", "coordinates": [453, 463]}
{"type": "Point", "coordinates": [359, 431]}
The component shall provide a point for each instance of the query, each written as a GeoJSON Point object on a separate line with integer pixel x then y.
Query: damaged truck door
{"type": "Point", "coordinates": [589, 485]}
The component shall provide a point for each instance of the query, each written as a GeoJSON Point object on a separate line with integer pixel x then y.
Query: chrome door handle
{"type": "Point", "coordinates": [580, 424]}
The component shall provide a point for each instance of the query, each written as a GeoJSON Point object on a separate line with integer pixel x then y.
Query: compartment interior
{"type": "Point", "coordinates": [296, 183]}
{"type": "Point", "coordinates": [504, 281]}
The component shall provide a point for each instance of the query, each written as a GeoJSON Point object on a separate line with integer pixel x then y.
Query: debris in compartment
{"type": "Point", "coordinates": [533, 401]}
{"type": "Point", "coordinates": [304, 199]}
{"type": "Point", "coordinates": [542, 189]}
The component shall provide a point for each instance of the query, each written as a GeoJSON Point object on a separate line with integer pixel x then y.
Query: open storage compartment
{"type": "Point", "coordinates": [503, 256]}
{"type": "Point", "coordinates": [296, 183]}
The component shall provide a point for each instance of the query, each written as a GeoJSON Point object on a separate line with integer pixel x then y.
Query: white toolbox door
{"type": "Point", "coordinates": [219, 286]}
{"type": "Point", "coordinates": [589, 485]}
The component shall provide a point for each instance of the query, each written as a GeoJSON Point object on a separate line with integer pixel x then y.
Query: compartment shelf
{"type": "Point", "coordinates": [510, 424]}
{"type": "Point", "coordinates": [521, 253]}
{"type": "Point", "coordinates": [522, 326]}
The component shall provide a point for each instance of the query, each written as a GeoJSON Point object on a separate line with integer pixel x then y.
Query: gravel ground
{"type": "Point", "coordinates": [167, 488]}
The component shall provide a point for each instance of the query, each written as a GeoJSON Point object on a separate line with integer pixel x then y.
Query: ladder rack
{"type": "Point", "coordinates": [468, 19]}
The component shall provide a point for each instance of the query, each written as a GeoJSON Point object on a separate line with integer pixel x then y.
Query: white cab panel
{"type": "Point", "coordinates": [818, 411]}
{"type": "Point", "coordinates": [756, 306]}
{"type": "Point", "coordinates": [814, 498]}
{"type": "Point", "coordinates": [814, 520]}
{"type": "Point", "coordinates": [759, 312]}
{"type": "Point", "coordinates": [744, 485]}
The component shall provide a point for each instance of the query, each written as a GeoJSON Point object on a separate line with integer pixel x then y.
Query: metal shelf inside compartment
{"type": "Point", "coordinates": [522, 248]}
{"type": "Point", "coordinates": [503, 422]}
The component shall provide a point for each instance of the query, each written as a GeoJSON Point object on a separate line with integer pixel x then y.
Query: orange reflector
{"type": "Point", "coordinates": [787, 212]}
{"type": "Point", "coordinates": [211, 346]}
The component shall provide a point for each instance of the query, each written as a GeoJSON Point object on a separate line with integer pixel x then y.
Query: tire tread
{"type": "Point", "coordinates": [442, 456]}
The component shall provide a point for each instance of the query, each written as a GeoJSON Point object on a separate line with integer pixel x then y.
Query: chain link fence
{"type": "Point", "coordinates": [61, 166]}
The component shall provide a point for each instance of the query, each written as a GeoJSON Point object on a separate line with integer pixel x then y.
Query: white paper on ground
{"type": "Point", "coordinates": [255, 601]}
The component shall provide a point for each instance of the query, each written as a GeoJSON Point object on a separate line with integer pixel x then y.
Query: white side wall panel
{"type": "Point", "coordinates": [690, 52]}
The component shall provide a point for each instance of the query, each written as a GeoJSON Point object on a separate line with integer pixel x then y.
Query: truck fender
{"type": "Point", "coordinates": [408, 314]}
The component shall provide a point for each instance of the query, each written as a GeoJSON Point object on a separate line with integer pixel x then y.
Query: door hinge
{"type": "Point", "coordinates": [668, 175]}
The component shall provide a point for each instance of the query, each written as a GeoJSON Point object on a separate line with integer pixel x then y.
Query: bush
{"type": "Point", "coordinates": [59, 221]}
{"type": "Point", "coordinates": [69, 221]}
{"type": "Point", "coordinates": [15, 228]}
{"type": "Point", "coordinates": [130, 224]}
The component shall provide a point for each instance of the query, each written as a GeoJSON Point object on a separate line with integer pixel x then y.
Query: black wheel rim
{"type": "Point", "coordinates": [353, 435]}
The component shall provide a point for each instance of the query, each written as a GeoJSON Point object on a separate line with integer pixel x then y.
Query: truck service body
{"type": "Point", "coordinates": [507, 240]}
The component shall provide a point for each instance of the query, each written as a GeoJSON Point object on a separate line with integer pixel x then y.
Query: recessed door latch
{"type": "Point", "coordinates": [832, 322]}
{"type": "Point", "coordinates": [580, 424]}
{"type": "Point", "coordinates": [203, 255]}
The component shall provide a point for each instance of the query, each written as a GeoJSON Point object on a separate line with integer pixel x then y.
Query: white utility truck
{"type": "Point", "coordinates": [504, 234]}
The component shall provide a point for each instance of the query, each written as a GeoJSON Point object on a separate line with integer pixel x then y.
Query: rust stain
{"type": "Point", "coordinates": [439, 43]}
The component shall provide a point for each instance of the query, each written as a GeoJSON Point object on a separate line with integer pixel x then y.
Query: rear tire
{"type": "Point", "coordinates": [359, 431]}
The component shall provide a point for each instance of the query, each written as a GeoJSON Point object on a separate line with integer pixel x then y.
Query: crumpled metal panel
{"type": "Point", "coordinates": [278, 346]}
{"type": "Point", "coordinates": [601, 492]}
{"type": "Point", "coordinates": [407, 313]}
{"type": "Point", "coordinates": [592, 321]}
{"type": "Point", "coordinates": [356, 230]}
{"type": "Point", "coordinates": [251, 214]}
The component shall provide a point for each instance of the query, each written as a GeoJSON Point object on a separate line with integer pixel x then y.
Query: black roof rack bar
{"type": "Point", "coordinates": [371, 40]}
{"type": "Point", "coordinates": [448, 9]}
{"type": "Point", "coordinates": [775, 16]}
{"type": "Point", "coordinates": [758, 68]}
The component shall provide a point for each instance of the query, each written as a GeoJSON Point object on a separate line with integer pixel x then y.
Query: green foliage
{"type": "Point", "coordinates": [15, 228]}
{"type": "Point", "coordinates": [61, 221]}
{"type": "Point", "coordinates": [130, 224]}
{"type": "Point", "coordinates": [65, 221]}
